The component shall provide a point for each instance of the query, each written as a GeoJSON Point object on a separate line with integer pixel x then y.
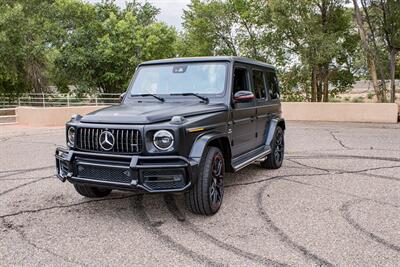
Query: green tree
{"type": "Point", "coordinates": [71, 42]}
{"type": "Point", "coordinates": [103, 53]}
{"type": "Point", "coordinates": [317, 38]}
{"type": "Point", "coordinates": [312, 42]}
{"type": "Point", "coordinates": [208, 29]}
{"type": "Point", "coordinates": [23, 46]}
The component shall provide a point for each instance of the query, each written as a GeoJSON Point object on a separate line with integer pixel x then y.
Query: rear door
{"type": "Point", "coordinates": [243, 114]}
{"type": "Point", "coordinates": [263, 110]}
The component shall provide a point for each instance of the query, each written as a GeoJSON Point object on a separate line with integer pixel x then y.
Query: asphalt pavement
{"type": "Point", "coordinates": [334, 202]}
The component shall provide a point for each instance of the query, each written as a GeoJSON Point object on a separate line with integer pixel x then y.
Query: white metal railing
{"type": "Point", "coordinates": [57, 100]}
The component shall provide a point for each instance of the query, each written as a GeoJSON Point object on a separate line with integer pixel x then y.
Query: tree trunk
{"type": "Point", "coordinates": [314, 85]}
{"type": "Point", "coordinates": [374, 78]}
{"type": "Point", "coordinates": [319, 92]}
{"type": "Point", "coordinates": [367, 50]}
{"type": "Point", "coordinates": [392, 75]}
{"type": "Point", "coordinates": [375, 51]}
{"type": "Point", "coordinates": [326, 89]}
{"type": "Point", "coordinates": [320, 79]}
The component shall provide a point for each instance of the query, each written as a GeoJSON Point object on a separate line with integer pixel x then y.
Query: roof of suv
{"type": "Point", "coordinates": [207, 59]}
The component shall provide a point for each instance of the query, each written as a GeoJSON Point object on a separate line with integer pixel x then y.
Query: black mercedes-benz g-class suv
{"type": "Point", "coordinates": [180, 126]}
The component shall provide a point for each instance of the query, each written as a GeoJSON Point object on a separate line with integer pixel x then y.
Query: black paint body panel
{"type": "Point", "coordinates": [238, 128]}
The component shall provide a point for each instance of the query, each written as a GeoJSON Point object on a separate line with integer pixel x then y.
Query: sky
{"type": "Point", "coordinates": [171, 10]}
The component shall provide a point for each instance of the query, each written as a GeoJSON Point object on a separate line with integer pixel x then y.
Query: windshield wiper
{"type": "Point", "coordinates": [156, 97]}
{"type": "Point", "coordinates": [205, 99]}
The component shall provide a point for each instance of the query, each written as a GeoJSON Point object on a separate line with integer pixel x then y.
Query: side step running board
{"type": "Point", "coordinates": [250, 157]}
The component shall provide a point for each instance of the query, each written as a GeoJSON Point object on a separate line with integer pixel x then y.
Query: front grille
{"type": "Point", "coordinates": [127, 141]}
{"type": "Point", "coordinates": [119, 175]}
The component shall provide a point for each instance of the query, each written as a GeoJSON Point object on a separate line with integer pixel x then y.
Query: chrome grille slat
{"type": "Point", "coordinates": [97, 139]}
{"type": "Point", "coordinates": [127, 141]}
{"type": "Point", "coordinates": [84, 138]}
{"type": "Point", "coordinates": [117, 139]}
{"type": "Point", "coordinates": [93, 138]}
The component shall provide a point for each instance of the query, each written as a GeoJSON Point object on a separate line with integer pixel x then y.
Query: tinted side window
{"type": "Point", "coordinates": [272, 83]}
{"type": "Point", "coordinates": [240, 80]}
{"type": "Point", "coordinates": [259, 84]}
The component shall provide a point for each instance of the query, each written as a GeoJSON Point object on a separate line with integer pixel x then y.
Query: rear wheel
{"type": "Point", "coordinates": [275, 159]}
{"type": "Point", "coordinates": [205, 197]}
{"type": "Point", "coordinates": [91, 191]}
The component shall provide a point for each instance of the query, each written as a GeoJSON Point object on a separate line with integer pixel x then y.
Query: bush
{"type": "Point", "coordinates": [359, 99]}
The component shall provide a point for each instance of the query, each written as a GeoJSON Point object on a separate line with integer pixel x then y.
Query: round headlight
{"type": "Point", "coordinates": [71, 136]}
{"type": "Point", "coordinates": [163, 140]}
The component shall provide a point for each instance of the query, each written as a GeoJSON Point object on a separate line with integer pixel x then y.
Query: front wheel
{"type": "Point", "coordinates": [205, 197]}
{"type": "Point", "coordinates": [91, 191]}
{"type": "Point", "coordinates": [275, 158]}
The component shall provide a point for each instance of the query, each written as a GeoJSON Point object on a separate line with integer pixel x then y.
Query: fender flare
{"type": "Point", "coordinates": [272, 125]}
{"type": "Point", "coordinates": [200, 144]}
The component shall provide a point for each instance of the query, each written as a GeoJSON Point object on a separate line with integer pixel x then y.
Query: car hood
{"type": "Point", "coordinates": [146, 113]}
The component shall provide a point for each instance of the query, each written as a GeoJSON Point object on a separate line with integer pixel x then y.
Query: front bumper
{"type": "Point", "coordinates": [154, 174]}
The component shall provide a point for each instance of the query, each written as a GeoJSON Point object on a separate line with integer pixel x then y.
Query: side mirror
{"type": "Point", "coordinates": [243, 96]}
{"type": "Point", "coordinates": [121, 97]}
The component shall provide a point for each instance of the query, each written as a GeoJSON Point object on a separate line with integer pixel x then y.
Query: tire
{"type": "Point", "coordinates": [91, 191]}
{"type": "Point", "coordinates": [205, 197]}
{"type": "Point", "coordinates": [275, 158]}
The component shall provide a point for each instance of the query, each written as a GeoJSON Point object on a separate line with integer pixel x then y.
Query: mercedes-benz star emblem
{"type": "Point", "coordinates": [106, 140]}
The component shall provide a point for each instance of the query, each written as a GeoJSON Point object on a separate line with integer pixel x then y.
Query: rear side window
{"type": "Point", "coordinates": [272, 83]}
{"type": "Point", "coordinates": [259, 84]}
{"type": "Point", "coordinates": [240, 80]}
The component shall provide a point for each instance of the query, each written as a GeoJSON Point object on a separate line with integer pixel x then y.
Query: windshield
{"type": "Point", "coordinates": [199, 78]}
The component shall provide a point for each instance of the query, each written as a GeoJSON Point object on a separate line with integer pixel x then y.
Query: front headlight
{"type": "Point", "coordinates": [163, 140]}
{"type": "Point", "coordinates": [71, 136]}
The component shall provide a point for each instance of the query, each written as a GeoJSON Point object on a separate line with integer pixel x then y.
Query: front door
{"type": "Point", "coordinates": [243, 115]}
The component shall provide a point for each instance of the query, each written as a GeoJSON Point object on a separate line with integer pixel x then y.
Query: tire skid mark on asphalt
{"type": "Point", "coordinates": [380, 176]}
{"type": "Point", "coordinates": [9, 225]}
{"type": "Point", "coordinates": [282, 235]}
{"type": "Point", "coordinates": [307, 166]}
{"type": "Point", "coordinates": [345, 212]}
{"type": "Point", "coordinates": [180, 217]}
{"type": "Point", "coordinates": [25, 184]}
{"type": "Point", "coordinates": [339, 156]}
{"type": "Point", "coordinates": [34, 142]}
{"type": "Point", "coordinates": [339, 192]}
{"type": "Point", "coordinates": [274, 178]}
{"type": "Point", "coordinates": [20, 171]}
{"type": "Point", "coordinates": [29, 135]}
{"type": "Point", "coordinates": [360, 172]}
{"type": "Point", "coordinates": [17, 179]}
{"type": "Point", "coordinates": [142, 217]}
{"type": "Point", "coordinates": [66, 206]}
{"type": "Point", "coordinates": [326, 171]}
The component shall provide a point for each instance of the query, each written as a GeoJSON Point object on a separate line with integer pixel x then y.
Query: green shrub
{"type": "Point", "coordinates": [359, 99]}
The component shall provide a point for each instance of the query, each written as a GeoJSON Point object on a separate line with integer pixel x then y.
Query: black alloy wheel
{"type": "Point", "coordinates": [275, 158]}
{"type": "Point", "coordinates": [206, 195]}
